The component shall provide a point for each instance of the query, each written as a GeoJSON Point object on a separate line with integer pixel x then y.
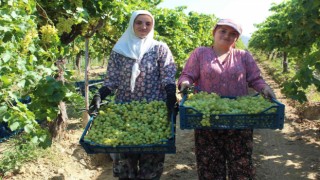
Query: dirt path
{"type": "Point", "coordinates": [290, 153]}
{"type": "Point", "coordinates": [287, 154]}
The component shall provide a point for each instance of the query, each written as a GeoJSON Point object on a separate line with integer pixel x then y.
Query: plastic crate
{"type": "Point", "coordinates": [93, 85]}
{"type": "Point", "coordinates": [168, 146]}
{"type": "Point", "coordinates": [6, 133]}
{"type": "Point", "coordinates": [190, 118]}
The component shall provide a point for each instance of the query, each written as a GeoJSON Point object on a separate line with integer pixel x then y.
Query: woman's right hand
{"type": "Point", "coordinates": [95, 104]}
{"type": "Point", "coordinates": [184, 85]}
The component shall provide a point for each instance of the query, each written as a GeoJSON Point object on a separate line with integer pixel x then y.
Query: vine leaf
{"type": "Point", "coordinates": [14, 126]}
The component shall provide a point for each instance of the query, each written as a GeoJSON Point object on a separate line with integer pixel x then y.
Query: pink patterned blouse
{"type": "Point", "coordinates": [231, 78]}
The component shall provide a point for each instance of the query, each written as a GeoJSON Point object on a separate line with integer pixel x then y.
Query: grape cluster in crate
{"type": "Point", "coordinates": [210, 111]}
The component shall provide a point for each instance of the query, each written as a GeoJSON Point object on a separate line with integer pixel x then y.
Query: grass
{"type": "Point", "coordinates": [313, 95]}
{"type": "Point", "coordinates": [16, 152]}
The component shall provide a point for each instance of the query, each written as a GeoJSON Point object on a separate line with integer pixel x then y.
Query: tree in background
{"type": "Point", "coordinates": [293, 30]}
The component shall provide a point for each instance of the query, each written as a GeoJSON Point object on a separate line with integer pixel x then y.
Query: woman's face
{"type": "Point", "coordinates": [142, 25]}
{"type": "Point", "coordinates": [225, 36]}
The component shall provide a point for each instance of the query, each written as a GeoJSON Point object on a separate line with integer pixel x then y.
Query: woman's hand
{"type": "Point", "coordinates": [97, 99]}
{"type": "Point", "coordinates": [184, 85]}
{"type": "Point", "coordinates": [267, 92]}
{"type": "Point", "coordinates": [95, 104]}
{"type": "Point", "coordinates": [171, 100]}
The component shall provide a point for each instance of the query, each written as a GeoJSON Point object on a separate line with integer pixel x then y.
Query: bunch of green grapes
{"type": "Point", "coordinates": [213, 104]}
{"type": "Point", "coordinates": [254, 105]}
{"type": "Point", "coordinates": [49, 34]}
{"type": "Point", "coordinates": [64, 25]}
{"type": "Point", "coordinates": [91, 25]}
{"type": "Point", "coordinates": [28, 38]}
{"type": "Point", "coordinates": [133, 123]}
{"type": "Point", "coordinates": [109, 29]}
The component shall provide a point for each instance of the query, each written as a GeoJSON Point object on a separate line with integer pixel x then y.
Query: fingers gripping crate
{"type": "Point", "coordinates": [166, 146]}
{"type": "Point", "coordinates": [190, 118]}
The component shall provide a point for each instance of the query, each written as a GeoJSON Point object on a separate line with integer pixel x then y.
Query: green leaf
{"type": "Point", "coordinates": [28, 128]}
{"type": "Point", "coordinates": [10, 2]}
{"type": "Point", "coordinates": [14, 126]}
{"type": "Point", "coordinates": [21, 83]}
{"type": "Point", "coordinates": [6, 81]}
{"type": "Point", "coordinates": [5, 28]}
{"type": "Point", "coordinates": [3, 110]}
{"type": "Point", "coordinates": [6, 17]}
{"type": "Point", "coordinates": [6, 117]}
{"type": "Point", "coordinates": [69, 94]}
{"type": "Point", "coordinates": [14, 14]}
{"type": "Point", "coordinates": [6, 56]}
{"type": "Point", "coordinates": [32, 48]}
{"type": "Point", "coordinates": [35, 140]}
{"type": "Point", "coordinates": [45, 141]}
{"type": "Point", "coordinates": [43, 138]}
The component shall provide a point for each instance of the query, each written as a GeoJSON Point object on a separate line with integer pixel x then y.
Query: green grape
{"type": "Point", "coordinates": [211, 104]}
{"type": "Point", "coordinates": [49, 34]}
{"type": "Point", "coordinates": [64, 25]}
{"type": "Point", "coordinates": [30, 35]}
{"type": "Point", "coordinates": [131, 123]}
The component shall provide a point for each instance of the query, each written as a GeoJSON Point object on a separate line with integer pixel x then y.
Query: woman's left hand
{"type": "Point", "coordinates": [171, 99]}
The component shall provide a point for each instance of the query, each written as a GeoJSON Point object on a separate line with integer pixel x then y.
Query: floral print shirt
{"type": "Point", "coordinates": [157, 70]}
{"type": "Point", "coordinates": [230, 78]}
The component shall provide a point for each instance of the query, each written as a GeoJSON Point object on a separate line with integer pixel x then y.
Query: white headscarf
{"type": "Point", "coordinates": [131, 46]}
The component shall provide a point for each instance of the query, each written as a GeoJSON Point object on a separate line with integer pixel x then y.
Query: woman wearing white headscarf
{"type": "Point", "coordinates": [139, 68]}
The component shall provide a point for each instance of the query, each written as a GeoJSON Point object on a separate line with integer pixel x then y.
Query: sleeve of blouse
{"type": "Point", "coordinates": [113, 72]}
{"type": "Point", "coordinates": [191, 71]}
{"type": "Point", "coordinates": [167, 65]}
{"type": "Point", "coordinates": [254, 78]}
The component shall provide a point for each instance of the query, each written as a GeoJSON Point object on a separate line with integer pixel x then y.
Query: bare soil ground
{"type": "Point", "coordinates": [287, 154]}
